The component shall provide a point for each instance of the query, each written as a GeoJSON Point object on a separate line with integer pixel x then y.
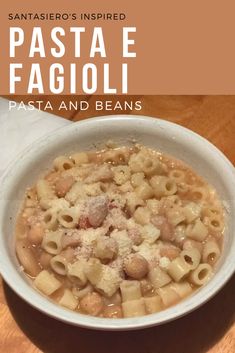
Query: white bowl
{"type": "Point", "coordinates": [184, 144]}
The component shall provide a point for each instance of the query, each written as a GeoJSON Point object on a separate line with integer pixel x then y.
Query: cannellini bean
{"type": "Point", "coordinates": [166, 229]}
{"type": "Point", "coordinates": [170, 251]}
{"type": "Point", "coordinates": [35, 234]}
{"type": "Point", "coordinates": [92, 304]}
{"type": "Point", "coordinates": [63, 185]}
{"type": "Point", "coordinates": [113, 311]}
{"type": "Point", "coordinates": [136, 266]}
{"type": "Point", "coordinates": [27, 258]}
{"type": "Point", "coordinates": [45, 259]}
{"type": "Point", "coordinates": [97, 210]}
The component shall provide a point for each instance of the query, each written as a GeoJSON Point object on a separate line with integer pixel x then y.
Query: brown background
{"type": "Point", "coordinates": [209, 329]}
{"type": "Point", "coordinates": [183, 47]}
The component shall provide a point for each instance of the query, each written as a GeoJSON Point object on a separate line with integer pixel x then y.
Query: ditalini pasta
{"type": "Point", "coordinates": [121, 232]}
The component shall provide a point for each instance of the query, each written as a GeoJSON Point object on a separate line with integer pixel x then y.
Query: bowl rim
{"type": "Point", "coordinates": [16, 281]}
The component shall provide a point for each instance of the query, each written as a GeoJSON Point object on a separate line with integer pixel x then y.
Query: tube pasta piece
{"type": "Point", "coordinates": [153, 304]}
{"type": "Point", "coordinates": [106, 248]}
{"type": "Point", "coordinates": [89, 236]}
{"type": "Point", "coordinates": [175, 215]}
{"type": "Point", "coordinates": [180, 234]}
{"type": "Point", "coordinates": [192, 257]}
{"type": "Point", "coordinates": [197, 230]}
{"type": "Point", "coordinates": [26, 257]}
{"type": "Point", "coordinates": [177, 174]}
{"type": "Point", "coordinates": [153, 205]}
{"type": "Point", "coordinates": [210, 252]}
{"type": "Point", "coordinates": [46, 282]}
{"type": "Point", "coordinates": [77, 172]}
{"type": "Point", "coordinates": [100, 173]}
{"type": "Point", "coordinates": [214, 224]}
{"type": "Point", "coordinates": [144, 191]}
{"type": "Point", "coordinates": [169, 202]}
{"type": "Point", "coordinates": [121, 174]}
{"type": "Point", "coordinates": [59, 264]}
{"type": "Point", "coordinates": [183, 289]}
{"type": "Point", "coordinates": [123, 241]}
{"type": "Point", "coordinates": [80, 158]}
{"type": "Point", "coordinates": [148, 251]}
{"type": "Point", "coordinates": [126, 187]}
{"type": "Point", "coordinates": [137, 179]}
{"type": "Point", "coordinates": [150, 233]}
{"type": "Point", "coordinates": [210, 210]}
{"type": "Point", "coordinates": [63, 163]}
{"type": "Point", "coordinates": [192, 211]}
{"type": "Point", "coordinates": [158, 277]}
{"type": "Point", "coordinates": [82, 292]}
{"type": "Point", "coordinates": [183, 188]}
{"type": "Point", "coordinates": [44, 190]}
{"type": "Point", "coordinates": [198, 194]}
{"type": "Point", "coordinates": [163, 186]}
{"type": "Point", "coordinates": [166, 228]}
{"type": "Point", "coordinates": [130, 290]}
{"type": "Point", "coordinates": [144, 162]}
{"type": "Point", "coordinates": [142, 215]}
{"type": "Point", "coordinates": [69, 217]}
{"type": "Point", "coordinates": [76, 192]}
{"type": "Point", "coordinates": [190, 243]}
{"type": "Point", "coordinates": [56, 204]}
{"type": "Point", "coordinates": [52, 242]}
{"type": "Point", "coordinates": [178, 269]}
{"type": "Point", "coordinates": [50, 219]}
{"type": "Point", "coordinates": [109, 281]}
{"type": "Point", "coordinates": [136, 162]}
{"type": "Point", "coordinates": [94, 189]}
{"type": "Point", "coordinates": [116, 156]}
{"type": "Point", "coordinates": [68, 300]}
{"type": "Point", "coordinates": [76, 273]}
{"type": "Point", "coordinates": [93, 270]}
{"type": "Point", "coordinates": [168, 295]}
{"type": "Point", "coordinates": [133, 201]}
{"type": "Point", "coordinates": [201, 274]}
{"type": "Point", "coordinates": [134, 308]}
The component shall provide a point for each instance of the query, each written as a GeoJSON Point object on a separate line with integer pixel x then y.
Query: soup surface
{"type": "Point", "coordinates": [121, 232]}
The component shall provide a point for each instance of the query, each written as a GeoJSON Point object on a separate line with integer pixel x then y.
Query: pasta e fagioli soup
{"type": "Point", "coordinates": [120, 232]}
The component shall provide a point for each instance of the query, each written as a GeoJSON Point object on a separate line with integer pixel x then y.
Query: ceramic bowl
{"type": "Point", "coordinates": [167, 137]}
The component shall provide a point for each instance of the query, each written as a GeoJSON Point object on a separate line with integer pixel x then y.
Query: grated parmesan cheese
{"type": "Point", "coordinates": [124, 242]}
